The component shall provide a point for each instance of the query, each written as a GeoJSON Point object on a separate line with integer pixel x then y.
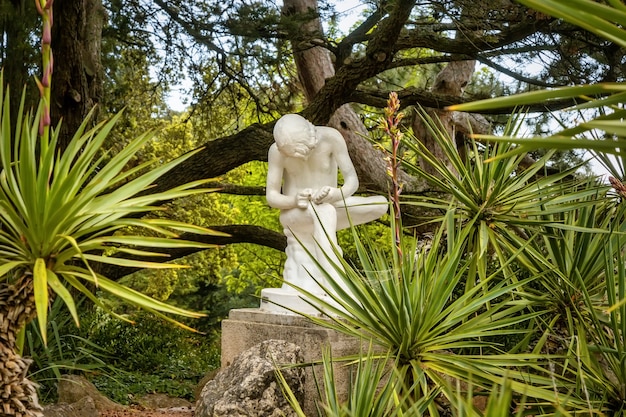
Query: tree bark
{"type": "Point", "coordinates": [77, 80]}
{"type": "Point", "coordinates": [450, 81]}
{"type": "Point", "coordinates": [315, 66]}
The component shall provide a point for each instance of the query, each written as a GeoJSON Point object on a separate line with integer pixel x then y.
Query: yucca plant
{"type": "Point", "coordinates": [60, 215]}
{"type": "Point", "coordinates": [570, 260]}
{"type": "Point", "coordinates": [414, 307]}
{"type": "Point", "coordinates": [375, 389]}
{"type": "Point", "coordinates": [501, 200]}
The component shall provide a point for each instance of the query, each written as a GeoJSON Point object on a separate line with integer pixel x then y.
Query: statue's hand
{"type": "Point", "coordinates": [303, 197]}
{"type": "Point", "coordinates": [322, 194]}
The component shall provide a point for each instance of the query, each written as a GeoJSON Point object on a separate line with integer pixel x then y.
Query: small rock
{"type": "Point", "coordinates": [73, 388]}
{"type": "Point", "coordinates": [85, 407]}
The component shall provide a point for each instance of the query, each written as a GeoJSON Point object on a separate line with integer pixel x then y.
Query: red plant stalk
{"type": "Point", "coordinates": [44, 8]}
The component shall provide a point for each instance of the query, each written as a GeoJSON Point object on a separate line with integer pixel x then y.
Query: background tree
{"type": "Point", "coordinates": [248, 60]}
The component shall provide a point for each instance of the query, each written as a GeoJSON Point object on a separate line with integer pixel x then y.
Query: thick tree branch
{"type": "Point", "coordinates": [378, 57]}
{"type": "Point", "coordinates": [426, 98]}
{"type": "Point", "coordinates": [242, 233]}
{"type": "Point", "coordinates": [469, 44]}
{"type": "Point", "coordinates": [219, 156]}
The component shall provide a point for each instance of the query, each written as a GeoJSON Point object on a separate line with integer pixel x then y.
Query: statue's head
{"type": "Point", "coordinates": [295, 136]}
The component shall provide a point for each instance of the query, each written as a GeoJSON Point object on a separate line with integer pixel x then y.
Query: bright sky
{"type": "Point", "coordinates": [348, 11]}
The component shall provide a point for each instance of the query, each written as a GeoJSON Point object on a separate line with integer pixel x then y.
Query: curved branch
{"type": "Point", "coordinates": [513, 74]}
{"type": "Point", "coordinates": [467, 45]}
{"type": "Point", "coordinates": [426, 98]}
{"type": "Point", "coordinates": [242, 233]}
{"type": "Point", "coordinates": [219, 156]}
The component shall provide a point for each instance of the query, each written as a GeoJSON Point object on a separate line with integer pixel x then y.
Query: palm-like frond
{"type": "Point", "coordinates": [61, 212]}
{"type": "Point", "coordinates": [503, 202]}
{"type": "Point", "coordinates": [411, 306]}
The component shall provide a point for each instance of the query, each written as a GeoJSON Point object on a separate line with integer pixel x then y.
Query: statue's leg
{"type": "Point", "coordinates": [299, 266]}
{"type": "Point", "coordinates": [357, 210]}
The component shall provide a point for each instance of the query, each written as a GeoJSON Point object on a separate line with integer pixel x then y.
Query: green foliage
{"type": "Point", "coordinates": [564, 234]}
{"type": "Point", "coordinates": [124, 360]}
{"type": "Point", "coordinates": [258, 267]}
{"type": "Point", "coordinates": [149, 355]}
{"type": "Point", "coordinates": [164, 348]}
{"type": "Point", "coordinates": [65, 352]}
{"type": "Point", "coordinates": [62, 212]}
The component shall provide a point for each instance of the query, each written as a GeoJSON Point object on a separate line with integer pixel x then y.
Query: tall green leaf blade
{"type": "Point", "coordinates": [523, 99]}
{"type": "Point", "coordinates": [55, 284]}
{"type": "Point", "coordinates": [40, 288]}
{"type": "Point", "coordinates": [594, 17]}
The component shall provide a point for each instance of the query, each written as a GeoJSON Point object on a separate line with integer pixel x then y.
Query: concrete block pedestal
{"type": "Point", "coordinates": [245, 328]}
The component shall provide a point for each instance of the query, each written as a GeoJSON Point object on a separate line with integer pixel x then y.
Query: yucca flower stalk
{"type": "Point", "coordinates": [390, 124]}
{"type": "Point", "coordinates": [44, 8]}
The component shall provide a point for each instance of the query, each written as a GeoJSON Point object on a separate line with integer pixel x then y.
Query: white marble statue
{"type": "Point", "coordinates": [303, 166]}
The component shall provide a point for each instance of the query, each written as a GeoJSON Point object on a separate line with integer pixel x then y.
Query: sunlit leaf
{"type": "Point", "coordinates": [541, 96]}
{"type": "Point", "coordinates": [40, 288]}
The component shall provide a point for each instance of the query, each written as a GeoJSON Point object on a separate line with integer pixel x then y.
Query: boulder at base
{"type": "Point", "coordinates": [85, 407]}
{"type": "Point", "coordinates": [73, 388]}
{"type": "Point", "coordinates": [249, 388]}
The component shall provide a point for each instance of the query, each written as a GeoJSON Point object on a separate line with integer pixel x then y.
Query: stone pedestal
{"type": "Point", "coordinates": [245, 328]}
{"type": "Point", "coordinates": [287, 300]}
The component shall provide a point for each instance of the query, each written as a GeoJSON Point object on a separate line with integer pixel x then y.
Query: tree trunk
{"type": "Point", "coordinates": [18, 395]}
{"type": "Point", "coordinates": [315, 65]}
{"type": "Point", "coordinates": [77, 79]}
{"type": "Point", "coordinates": [451, 80]}
{"type": "Point", "coordinates": [17, 21]}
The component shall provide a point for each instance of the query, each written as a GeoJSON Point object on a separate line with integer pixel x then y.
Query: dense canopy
{"type": "Point", "coordinates": [251, 61]}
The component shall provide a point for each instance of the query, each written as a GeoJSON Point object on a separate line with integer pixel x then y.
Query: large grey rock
{"type": "Point", "coordinates": [249, 388]}
{"type": "Point", "coordinates": [82, 408]}
{"type": "Point", "coordinates": [73, 388]}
